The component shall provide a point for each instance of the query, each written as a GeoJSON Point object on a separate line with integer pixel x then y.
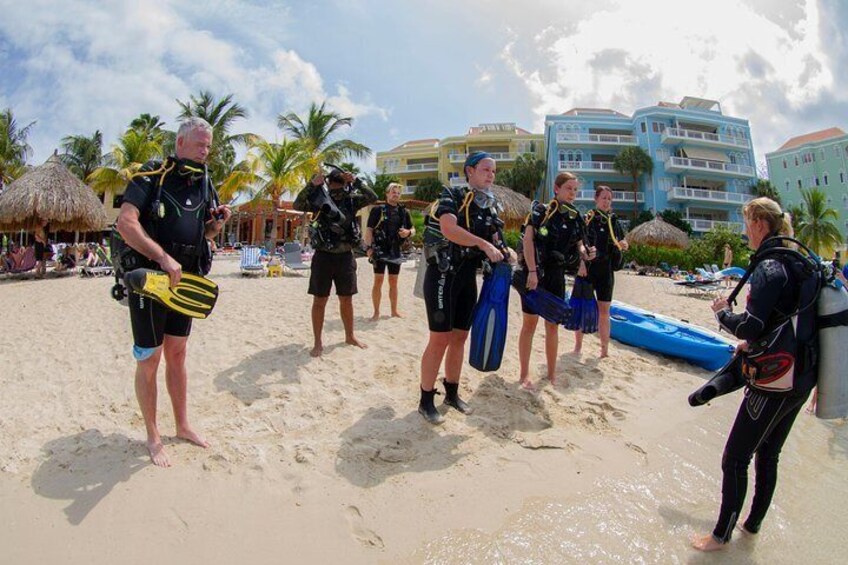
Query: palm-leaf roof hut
{"type": "Point", "coordinates": [51, 193]}
{"type": "Point", "coordinates": [514, 206]}
{"type": "Point", "coordinates": [658, 233]}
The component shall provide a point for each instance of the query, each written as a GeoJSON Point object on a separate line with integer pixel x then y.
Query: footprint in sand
{"type": "Point", "coordinates": [365, 536]}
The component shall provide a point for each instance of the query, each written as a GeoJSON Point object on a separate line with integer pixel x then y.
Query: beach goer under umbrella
{"type": "Point", "coordinates": [463, 228]}
{"type": "Point", "coordinates": [170, 235]}
{"type": "Point", "coordinates": [606, 237]}
{"type": "Point", "coordinates": [388, 226]}
{"type": "Point", "coordinates": [775, 391]}
{"type": "Point", "coordinates": [553, 232]}
{"type": "Point", "coordinates": [41, 249]}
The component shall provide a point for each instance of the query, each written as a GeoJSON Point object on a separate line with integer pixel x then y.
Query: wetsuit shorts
{"type": "Point", "coordinates": [602, 278]}
{"type": "Point", "coordinates": [553, 282]}
{"type": "Point", "coordinates": [381, 266]}
{"type": "Point", "coordinates": [151, 322]}
{"type": "Point", "coordinates": [40, 248]}
{"type": "Point", "coordinates": [330, 269]}
{"type": "Point", "coordinates": [450, 297]}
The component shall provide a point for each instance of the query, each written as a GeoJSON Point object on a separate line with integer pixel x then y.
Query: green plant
{"type": "Point", "coordinates": [525, 176]}
{"type": "Point", "coordinates": [428, 189]}
{"type": "Point", "coordinates": [675, 218]}
{"type": "Point", "coordinates": [633, 161]}
{"type": "Point", "coordinates": [644, 216]}
{"type": "Point", "coordinates": [512, 238]}
{"type": "Point", "coordinates": [818, 228]}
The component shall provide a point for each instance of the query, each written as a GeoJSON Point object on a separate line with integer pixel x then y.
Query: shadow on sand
{"type": "Point", "coordinates": [253, 377]}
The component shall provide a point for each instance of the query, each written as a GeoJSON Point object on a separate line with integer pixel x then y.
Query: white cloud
{"type": "Point", "coordinates": [637, 53]}
{"type": "Point", "coordinates": [109, 62]}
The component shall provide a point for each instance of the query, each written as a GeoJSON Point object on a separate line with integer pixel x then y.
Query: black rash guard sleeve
{"type": "Point", "coordinates": [768, 282]}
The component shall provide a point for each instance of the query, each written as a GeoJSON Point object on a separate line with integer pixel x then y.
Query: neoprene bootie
{"type": "Point", "coordinates": [452, 398]}
{"type": "Point", "coordinates": [427, 408]}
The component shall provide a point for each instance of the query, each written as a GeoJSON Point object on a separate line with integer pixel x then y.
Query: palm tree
{"type": "Point", "coordinates": [14, 149]}
{"type": "Point", "coordinates": [633, 161]}
{"type": "Point", "coordinates": [221, 115]}
{"type": "Point", "coordinates": [818, 230]}
{"type": "Point", "coordinates": [134, 148]}
{"type": "Point", "coordinates": [349, 167]}
{"type": "Point", "coordinates": [83, 154]}
{"type": "Point", "coordinates": [316, 133]}
{"type": "Point", "coordinates": [765, 188]}
{"type": "Point", "coordinates": [798, 215]}
{"type": "Point", "coordinates": [268, 171]}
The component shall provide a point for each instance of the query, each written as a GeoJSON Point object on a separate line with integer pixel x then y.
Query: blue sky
{"type": "Point", "coordinates": [408, 70]}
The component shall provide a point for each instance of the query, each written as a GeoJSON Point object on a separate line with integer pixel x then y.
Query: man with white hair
{"type": "Point", "coordinates": [170, 210]}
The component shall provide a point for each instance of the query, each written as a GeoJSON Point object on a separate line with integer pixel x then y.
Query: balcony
{"type": "Point", "coordinates": [682, 164]}
{"type": "Point", "coordinates": [622, 196]}
{"type": "Point", "coordinates": [707, 225]}
{"type": "Point", "coordinates": [682, 193]}
{"type": "Point", "coordinates": [460, 157]}
{"type": "Point", "coordinates": [595, 139]}
{"type": "Point", "coordinates": [677, 135]}
{"type": "Point", "coordinates": [417, 168]}
{"type": "Point", "coordinates": [588, 167]}
{"type": "Point", "coordinates": [408, 190]}
{"type": "Point", "coordinates": [457, 182]}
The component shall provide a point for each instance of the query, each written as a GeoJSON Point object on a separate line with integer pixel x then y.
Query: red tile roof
{"type": "Point", "coordinates": [812, 137]}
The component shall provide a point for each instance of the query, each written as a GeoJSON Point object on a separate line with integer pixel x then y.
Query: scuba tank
{"type": "Point", "coordinates": [832, 325]}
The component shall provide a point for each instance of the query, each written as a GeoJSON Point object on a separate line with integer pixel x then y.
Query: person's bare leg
{"type": "Point", "coordinates": [176, 378]}
{"type": "Point", "coordinates": [376, 296]}
{"type": "Point", "coordinates": [346, 312]}
{"type": "Point", "coordinates": [811, 409]}
{"type": "Point", "coordinates": [551, 349]}
{"type": "Point", "coordinates": [146, 393]}
{"type": "Point", "coordinates": [578, 342]}
{"type": "Point", "coordinates": [319, 306]}
{"type": "Point", "coordinates": [706, 543]}
{"type": "Point", "coordinates": [432, 358]}
{"type": "Point", "coordinates": [604, 327]}
{"type": "Point", "coordinates": [455, 355]}
{"type": "Point", "coordinates": [525, 346]}
{"type": "Point", "coordinates": [393, 296]}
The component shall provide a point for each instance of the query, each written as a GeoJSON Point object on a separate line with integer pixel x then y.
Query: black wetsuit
{"type": "Point", "coordinates": [600, 270]}
{"type": "Point", "coordinates": [556, 230]}
{"type": "Point", "coordinates": [450, 282]}
{"type": "Point", "coordinates": [764, 418]}
{"type": "Point", "coordinates": [179, 229]}
{"type": "Point", "coordinates": [333, 240]}
{"type": "Point", "coordinates": [385, 221]}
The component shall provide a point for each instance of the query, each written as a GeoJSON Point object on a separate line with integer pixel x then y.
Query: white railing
{"type": "Point", "coordinates": [707, 225]}
{"type": "Point", "coordinates": [596, 138]}
{"type": "Point", "coordinates": [458, 181]}
{"type": "Point", "coordinates": [707, 165]}
{"type": "Point", "coordinates": [417, 168]}
{"type": "Point", "coordinates": [684, 193]}
{"type": "Point", "coordinates": [588, 166]}
{"type": "Point", "coordinates": [460, 157]}
{"type": "Point", "coordinates": [617, 195]}
{"type": "Point", "coordinates": [408, 189]}
{"type": "Point", "coordinates": [689, 134]}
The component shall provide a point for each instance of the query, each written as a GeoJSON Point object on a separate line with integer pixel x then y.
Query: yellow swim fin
{"type": "Point", "coordinates": [194, 296]}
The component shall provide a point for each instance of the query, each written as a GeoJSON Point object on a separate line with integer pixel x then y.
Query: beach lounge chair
{"type": "Point", "coordinates": [292, 257]}
{"type": "Point", "coordinates": [251, 266]}
{"type": "Point", "coordinates": [26, 263]}
{"type": "Point", "coordinates": [102, 268]}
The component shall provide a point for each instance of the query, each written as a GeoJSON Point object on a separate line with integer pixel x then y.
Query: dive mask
{"type": "Point", "coordinates": [484, 199]}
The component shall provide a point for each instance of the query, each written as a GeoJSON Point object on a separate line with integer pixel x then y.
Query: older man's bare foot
{"type": "Point", "coordinates": [190, 435]}
{"type": "Point", "coordinates": [317, 350]}
{"type": "Point", "coordinates": [157, 454]}
{"type": "Point", "coordinates": [356, 342]}
{"type": "Point", "coordinates": [397, 315]}
{"type": "Point", "coordinates": [706, 543]}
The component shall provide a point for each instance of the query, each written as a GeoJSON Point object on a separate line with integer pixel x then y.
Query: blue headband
{"type": "Point", "coordinates": [476, 157]}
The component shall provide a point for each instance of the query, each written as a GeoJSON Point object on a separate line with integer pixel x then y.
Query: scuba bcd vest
{"type": "Point", "coordinates": [552, 249]}
{"type": "Point", "coordinates": [126, 259]}
{"type": "Point", "coordinates": [616, 256]}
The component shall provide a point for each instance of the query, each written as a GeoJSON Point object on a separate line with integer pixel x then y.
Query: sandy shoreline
{"type": "Point", "coordinates": [319, 460]}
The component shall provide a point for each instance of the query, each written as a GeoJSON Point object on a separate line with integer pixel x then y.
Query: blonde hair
{"type": "Point", "coordinates": [769, 211]}
{"type": "Point", "coordinates": [396, 185]}
{"type": "Point", "coordinates": [563, 178]}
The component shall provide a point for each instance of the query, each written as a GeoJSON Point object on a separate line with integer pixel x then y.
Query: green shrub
{"type": "Point", "coordinates": [512, 238]}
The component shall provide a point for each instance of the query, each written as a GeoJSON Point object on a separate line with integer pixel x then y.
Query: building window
{"type": "Point", "coordinates": [787, 186]}
{"type": "Point", "coordinates": [821, 153]}
{"type": "Point", "coordinates": [841, 177]}
{"type": "Point", "coordinates": [845, 201]}
{"type": "Point", "coordinates": [825, 179]}
{"type": "Point", "coordinates": [812, 157]}
{"type": "Point", "coordinates": [657, 127]}
{"type": "Point", "coordinates": [644, 129]}
{"type": "Point", "coordinates": [817, 181]}
{"type": "Point", "coordinates": [836, 151]}
{"type": "Point", "coordinates": [662, 154]}
{"type": "Point", "coordinates": [796, 160]}
{"type": "Point", "coordinates": [799, 184]}
{"type": "Point", "coordinates": [784, 163]}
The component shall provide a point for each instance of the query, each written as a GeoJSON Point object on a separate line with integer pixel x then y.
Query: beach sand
{"type": "Point", "coordinates": [327, 461]}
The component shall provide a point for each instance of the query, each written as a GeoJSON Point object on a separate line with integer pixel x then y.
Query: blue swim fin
{"type": "Point", "coordinates": [488, 326]}
{"type": "Point", "coordinates": [547, 305]}
{"type": "Point", "coordinates": [728, 379]}
{"type": "Point", "coordinates": [584, 316]}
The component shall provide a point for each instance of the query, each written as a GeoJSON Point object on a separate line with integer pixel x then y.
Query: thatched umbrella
{"type": "Point", "coordinates": [51, 193]}
{"type": "Point", "coordinates": [658, 233]}
{"type": "Point", "coordinates": [515, 206]}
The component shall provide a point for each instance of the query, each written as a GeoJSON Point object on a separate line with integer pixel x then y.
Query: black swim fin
{"type": "Point", "coordinates": [728, 379]}
{"type": "Point", "coordinates": [488, 326]}
{"type": "Point", "coordinates": [194, 296]}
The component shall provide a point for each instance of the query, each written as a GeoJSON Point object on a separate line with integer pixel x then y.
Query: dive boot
{"type": "Point", "coordinates": [452, 398]}
{"type": "Point", "coordinates": [427, 408]}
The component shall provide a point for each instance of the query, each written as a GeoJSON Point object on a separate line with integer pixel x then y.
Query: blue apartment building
{"type": "Point", "coordinates": [704, 163]}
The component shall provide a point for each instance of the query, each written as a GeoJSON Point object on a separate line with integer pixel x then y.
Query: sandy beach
{"type": "Point", "coordinates": [327, 461]}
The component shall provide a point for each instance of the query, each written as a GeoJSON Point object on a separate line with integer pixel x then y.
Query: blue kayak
{"type": "Point", "coordinates": [668, 336]}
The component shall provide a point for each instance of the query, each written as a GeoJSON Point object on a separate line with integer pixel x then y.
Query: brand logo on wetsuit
{"type": "Point", "coordinates": [440, 293]}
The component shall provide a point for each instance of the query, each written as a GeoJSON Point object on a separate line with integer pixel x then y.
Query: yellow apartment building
{"type": "Point", "coordinates": [417, 160]}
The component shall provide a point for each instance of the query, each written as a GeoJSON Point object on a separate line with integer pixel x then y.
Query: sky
{"type": "Point", "coordinates": [428, 69]}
